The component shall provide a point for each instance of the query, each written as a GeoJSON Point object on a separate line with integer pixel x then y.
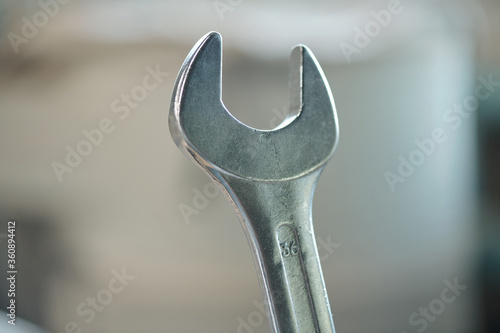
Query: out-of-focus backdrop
{"type": "Point", "coordinates": [116, 231]}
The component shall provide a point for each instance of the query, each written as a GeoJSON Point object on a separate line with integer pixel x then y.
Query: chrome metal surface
{"type": "Point", "coordinates": [268, 175]}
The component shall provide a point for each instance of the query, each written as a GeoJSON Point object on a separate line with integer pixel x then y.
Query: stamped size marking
{"type": "Point", "coordinates": [299, 294]}
{"type": "Point", "coordinates": [289, 249]}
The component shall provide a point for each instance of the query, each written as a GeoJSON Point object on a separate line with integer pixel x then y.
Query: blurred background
{"type": "Point", "coordinates": [116, 231]}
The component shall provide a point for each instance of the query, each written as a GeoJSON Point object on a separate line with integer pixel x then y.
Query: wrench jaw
{"type": "Point", "coordinates": [204, 130]}
{"type": "Point", "coordinates": [311, 100]}
{"type": "Point", "coordinates": [206, 80]}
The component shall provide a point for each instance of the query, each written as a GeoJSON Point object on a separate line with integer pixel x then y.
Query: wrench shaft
{"type": "Point", "coordinates": [299, 291]}
{"type": "Point", "coordinates": [278, 223]}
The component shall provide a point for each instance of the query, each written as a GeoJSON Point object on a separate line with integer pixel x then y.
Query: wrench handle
{"type": "Point", "coordinates": [296, 281]}
{"type": "Point", "coordinates": [277, 219]}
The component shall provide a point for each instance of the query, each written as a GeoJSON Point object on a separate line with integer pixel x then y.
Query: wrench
{"type": "Point", "coordinates": [269, 176]}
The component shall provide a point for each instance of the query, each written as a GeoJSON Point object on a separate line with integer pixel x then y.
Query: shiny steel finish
{"type": "Point", "coordinates": [269, 176]}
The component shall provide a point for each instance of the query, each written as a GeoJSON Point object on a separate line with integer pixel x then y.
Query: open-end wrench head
{"type": "Point", "coordinates": [204, 130]}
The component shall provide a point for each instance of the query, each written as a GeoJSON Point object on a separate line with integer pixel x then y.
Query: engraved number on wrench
{"type": "Point", "coordinates": [299, 293]}
{"type": "Point", "coordinates": [289, 248]}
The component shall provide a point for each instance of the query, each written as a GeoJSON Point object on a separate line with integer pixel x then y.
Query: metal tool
{"type": "Point", "coordinates": [268, 175]}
